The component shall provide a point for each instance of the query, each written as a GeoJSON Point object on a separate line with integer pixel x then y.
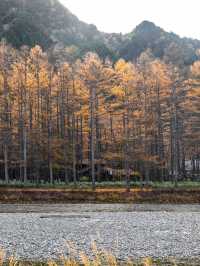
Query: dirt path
{"type": "Point", "coordinates": [62, 208]}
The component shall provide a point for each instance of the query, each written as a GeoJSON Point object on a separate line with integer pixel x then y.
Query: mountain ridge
{"type": "Point", "coordinates": [50, 24]}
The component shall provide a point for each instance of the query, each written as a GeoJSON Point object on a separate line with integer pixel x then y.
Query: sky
{"type": "Point", "coordinates": [179, 16]}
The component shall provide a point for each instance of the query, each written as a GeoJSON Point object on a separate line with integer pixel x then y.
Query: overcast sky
{"type": "Point", "coordinates": [179, 16]}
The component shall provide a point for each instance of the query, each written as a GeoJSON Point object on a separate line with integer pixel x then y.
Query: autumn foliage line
{"type": "Point", "coordinates": [64, 121]}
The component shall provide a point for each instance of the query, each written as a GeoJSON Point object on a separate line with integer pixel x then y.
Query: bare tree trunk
{"type": "Point", "coordinates": [146, 150]}
{"type": "Point", "coordinates": [160, 132]}
{"type": "Point", "coordinates": [81, 141]}
{"type": "Point", "coordinates": [98, 140]}
{"type": "Point", "coordinates": [74, 136]}
{"type": "Point", "coordinates": [126, 151]}
{"type": "Point", "coordinates": [92, 135]}
{"type": "Point", "coordinates": [49, 115]}
{"type": "Point", "coordinates": [74, 148]}
{"type": "Point", "coordinates": [51, 172]}
{"type": "Point", "coordinates": [64, 97]}
{"type": "Point", "coordinates": [25, 154]}
{"type": "Point", "coordinates": [175, 143]}
{"type": "Point", "coordinates": [6, 163]}
{"type": "Point", "coordinates": [6, 126]}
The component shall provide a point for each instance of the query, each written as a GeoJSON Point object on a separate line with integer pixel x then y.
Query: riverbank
{"type": "Point", "coordinates": [42, 233]}
{"type": "Point", "coordinates": [100, 195]}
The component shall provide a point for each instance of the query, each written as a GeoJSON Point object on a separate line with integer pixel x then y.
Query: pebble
{"type": "Point", "coordinates": [127, 233]}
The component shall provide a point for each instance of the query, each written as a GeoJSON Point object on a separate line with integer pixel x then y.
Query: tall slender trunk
{"type": "Point", "coordinates": [6, 126]}
{"type": "Point", "coordinates": [49, 115]}
{"type": "Point", "coordinates": [175, 141]}
{"type": "Point", "coordinates": [74, 136]}
{"type": "Point", "coordinates": [25, 154]}
{"type": "Point", "coordinates": [74, 148]}
{"type": "Point", "coordinates": [98, 139]}
{"type": "Point", "coordinates": [160, 132]}
{"type": "Point", "coordinates": [64, 97]}
{"type": "Point", "coordinates": [146, 149]}
{"type": "Point", "coordinates": [126, 151]}
{"type": "Point", "coordinates": [92, 135]}
{"type": "Point", "coordinates": [6, 163]}
{"type": "Point", "coordinates": [81, 140]}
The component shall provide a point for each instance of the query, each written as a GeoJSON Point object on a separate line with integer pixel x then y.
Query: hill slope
{"type": "Point", "coordinates": [167, 46]}
{"type": "Point", "coordinates": [50, 24]}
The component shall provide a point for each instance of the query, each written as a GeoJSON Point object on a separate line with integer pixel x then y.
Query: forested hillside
{"type": "Point", "coordinates": [166, 46]}
{"type": "Point", "coordinates": [52, 26]}
{"type": "Point", "coordinates": [78, 104]}
{"type": "Point", "coordinates": [49, 24]}
{"type": "Point", "coordinates": [125, 121]}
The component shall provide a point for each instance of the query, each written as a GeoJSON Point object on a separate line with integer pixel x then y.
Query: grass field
{"type": "Point", "coordinates": [112, 185]}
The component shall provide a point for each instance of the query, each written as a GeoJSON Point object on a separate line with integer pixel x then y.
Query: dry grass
{"type": "Point", "coordinates": [103, 195]}
{"type": "Point", "coordinates": [97, 259]}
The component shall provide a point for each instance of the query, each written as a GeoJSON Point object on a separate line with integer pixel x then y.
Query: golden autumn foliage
{"type": "Point", "coordinates": [60, 120]}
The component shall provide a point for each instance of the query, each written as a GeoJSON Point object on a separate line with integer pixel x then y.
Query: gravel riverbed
{"type": "Point", "coordinates": [39, 232]}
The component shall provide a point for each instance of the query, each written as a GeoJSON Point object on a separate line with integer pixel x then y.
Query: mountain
{"type": "Point", "coordinates": [164, 45]}
{"type": "Point", "coordinates": [43, 21]}
{"type": "Point", "coordinates": [51, 25]}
